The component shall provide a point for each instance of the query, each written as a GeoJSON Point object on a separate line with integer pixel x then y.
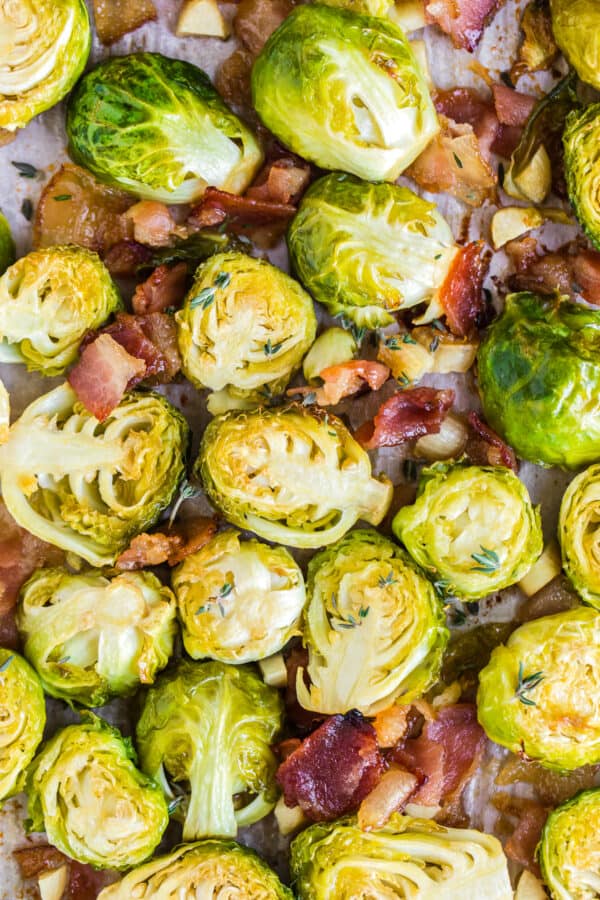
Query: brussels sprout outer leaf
{"type": "Point", "coordinates": [576, 29]}
{"type": "Point", "coordinates": [22, 720]}
{"type": "Point", "coordinates": [7, 245]}
{"type": "Point", "coordinates": [580, 140]}
{"type": "Point", "coordinates": [578, 534]}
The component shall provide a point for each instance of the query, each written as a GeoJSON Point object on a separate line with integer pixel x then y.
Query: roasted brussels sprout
{"type": "Point", "coordinates": [538, 694]}
{"type": "Point", "coordinates": [579, 534]}
{"type": "Point", "coordinates": [538, 379]}
{"type": "Point", "coordinates": [472, 529]}
{"type": "Point", "coordinates": [344, 91]}
{"type": "Point", "coordinates": [291, 475]}
{"type": "Point", "coordinates": [406, 858]}
{"type": "Point", "coordinates": [22, 720]}
{"type": "Point", "coordinates": [568, 850]}
{"type": "Point", "coordinates": [157, 127]}
{"type": "Point", "coordinates": [375, 630]}
{"type": "Point", "coordinates": [367, 250]}
{"type": "Point", "coordinates": [243, 330]}
{"type": "Point", "coordinates": [44, 46]}
{"type": "Point", "coordinates": [7, 245]}
{"type": "Point", "coordinates": [49, 299]}
{"type": "Point", "coordinates": [92, 638]}
{"type": "Point", "coordinates": [210, 726]}
{"type": "Point", "coordinates": [576, 28]}
{"type": "Point", "coordinates": [370, 7]}
{"type": "Point", "coordinates": [85, 792]}
{"type": "Point", "coordinates": [580, 139]}
{"type": "Point", "coordinates": [212, 868]}
{"type": "Point", "coordinates": [239, 601]}
{"type": "Point", "coordinates": [87, 486]}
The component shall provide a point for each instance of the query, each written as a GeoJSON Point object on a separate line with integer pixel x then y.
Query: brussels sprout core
{"type": "Point", "coordinates": [22, 720]}
{"type": "Point", "coordinates": [568, 850]}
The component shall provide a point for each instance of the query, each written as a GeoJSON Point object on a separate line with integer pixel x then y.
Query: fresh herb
{"type": "Point", "coordinates": [351, 621]}
{"type": "Point", "coordinates": [356, 331]}
{"type": "Point", "coordinates": [487, 561]}
{"type": "Point", "coordinates": [457, 616]}
{"type": "Point", "coordinates": [27, 209]}
{"type": "Point", "coordinates": [25, 170]}
{"type": "Point", "coordinates": [60, 197]}
{"type": "Point", "coordinates": [408, 339]}
{"type": "Point", "coordinates": [392, 343]}
{"type": "Point", "coordinates": [409, 470]}
{"type": "Point", "coordinates": [187, 491]}
{"type": "Point", "coordinates": [386, 580]}
{"type": "Point", "coordinates": [225, 590]}
{"type": "Point", "coordinates": [438, 256]}
{"type": "Point", "coordinates": [403, 379]}
{"type": "Point", "coordinates": [309, 398]}
{"type": "Point", "coordinates": [457, 160]}
{"type": "Point", "coordinates": [6, 663]}
{"type": "Point", "coordinates": [222, 280]}
{"type": "Point", "coordinates": [174, 804]}
{"type": "Point", "coordinates": [435, 343]}
{"type": "Point", "coordinates": [63, 659]}
{"type": "Point", "coordinates": [442, 587]}
{"type": "Point", "coordinates": [439, 326]}
{"type": "Point", "coordinates": [526, 684]}
{"type": "Point", "coordinates": [205, 298]}
{"type": "Point", "coordinates": [201, 609]}
{"type": "Point", "coordinates": [364, 612]}
{"type": "Point", "coordinates": [270, 349]}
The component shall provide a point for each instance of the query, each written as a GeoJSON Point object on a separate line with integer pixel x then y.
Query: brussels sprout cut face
{"type": "Point", "coordinates": [375, 630]}
{"type": "Point", "coordinates": [290, 475]}
{"type": "Point", "coordinates": [44, 46]}
{"type": "Point", "coordinates": [344, 91]}
{"type": "Point", "coordinates": [568, 852]}
{"type": "Point", "coordinates": [85, 792]}
{"type": "Point", "coordinates": [87, 486]}
{"type": "Point", "coordinates": [22, 720]}
{"type": "Point", "coordinates": [407, 858]}
{"type": "Point", "coordinates": [472, 528]}
{"type": "Point", "coordinates": [582, 167]}
{"type": "Point", "coordinates": [49, 299]}
{"type": "Point", "coordinates": [579, 534]}
{"type": "Point", "coordinates": [539, 694]}
{"type": "Point", "coordinates": [539, 377]}
{"type": "Point", "coordinates": [576, 28]}
{"type": "Point", "coordinates": [157, 127]}
{"type": "Point", "coordinates": [243, 330]}
{"type": "Point", "coordinates": [239, 601]}
{"type": "Point", "coordinates": [7, 245]}
{"type": "Point", "coordinates": [92, 638]}
{"type": "Point", "coordinates": [211, 726]}
{"type": "Point", "coordinates": [366, 250]}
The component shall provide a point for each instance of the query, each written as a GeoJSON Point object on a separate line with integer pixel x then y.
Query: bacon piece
{"type": "Point", "coordinates": [125, 258]}
{"type": "Point", "coordinates": [84, 881]}
{"type": "Point", "coordinates": [153, 224]}
{"type": "Point", "coordinates": [389, 796]}
{"type": "Point", "coordinates": [486, 448]}
{"type": "Point", "coordinates": [20, 554]}
{"type": "Point", "coordinates": [462, 20]}
{"type": "Point", "coordinates": [233, 78]}
{"type": "Point", "coordinates": [281, 181]}
{"type": "Point", "coordinates": [512, 107]}
{"type": "Point", "coordinates": [103, 373]}
{"type": "Point", "coordinates": [114, 18]}
{"type": "Point", "coordinates": [164, 288]}
{"type": "Point", "coordinates": [151, 338]}
{"type": "Point", "coordinates": [334, 769]}
{"type": "Point", "coordinates": [407, 415]}
{"type": "Point", "coordinates": [545, 274]}
{"type": "Point", "coordinates": [344, 380]}
{"type": "Point", "coordinates": [184, 538]}
{"type": "Point", "coordinates": [38, 858]}
{"type": "Point", "coordinates": [461, 294]}
{"type": "Point", "coordinates": [193, 533]}
{"type": "Point", "coordinates": [256, 20]}
{"type": "Point", "coordinates": [506, 140]}
{"type": "Point", "coordinates": [586, 272]}
{"type": "Point", "coordinates": [522, 843]}
{"type": "Point", "coordinates": [217, 207]}
{"type": "Point", "coordinates": [462, 105]}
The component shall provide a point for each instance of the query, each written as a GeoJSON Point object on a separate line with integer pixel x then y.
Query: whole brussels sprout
{"type": "Point", "coordinates": [539, 378]}
{"type": "Point", "coordinates": [243, 330]}
{"type": "Point", "coordinates": [44, 46]}
{"type": "Point", "coordinates": [211, 726]}
{"type": "Point", "coordinates": [92, 638]}
{"type": "Point", "coordinates": [568, 850]}
{"type": "Point", "coordinates": [291, 475]}
{"type": "Point", "coordinates": [85, 792]}
{"type": "Point", "coordinates": [157, 127]}
{"type": "Point", "coordinates": [579, 534]}
{"type": "Point", "coordinates": [239, 601]}
{"type": "Point", "coordinates": [538, 695]}
{"type": "Point", "coordinates": [576, 29]}
{"type": "Point", "coordinates": [472, 529]}
{"type": "Point", "coordinates": [406, 858]}
{"type": "Point", "coordinates": [7, 245]}
{"type": "Point", "coordinates": [49, 299]}
{"type": "Point", "coordinates": [87, 486]}
{"type": "Point", "coordinates": [367, 250]}
{"type": "Point", "coordinates": [580, 141]}
{"type": "Point", "coordinates": [22, 720]}
{"type": "Point", "coordinates": [344, 91]}
{"type": "Point", "coordinates": [375, 630]}
{"type": "Point", "coordinates": [199, 870]}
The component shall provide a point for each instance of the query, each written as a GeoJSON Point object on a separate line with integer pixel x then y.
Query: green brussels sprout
{"type": "Point", "coordinates": [406, 858]}
{"type": "Point", "coordinates": [210, 726]}
{"type": "Point", "coordinates": [239, 601]}
{"type": "Point", "coordinates": [22, 720]}
{"type": "Point", "coordinates": [333, 347]}
{"type": "Point", "coordinates": [369, 7]}
{"type": "Point", "coordinates": [243, 330]}
{"type": "Point", "coordinates": [537, 695]}
{"type": "Point", "coordinates": [568, 850]}
{"type": "Point", "coordinates": [367, 250]}
{"type": "Point", "coordinates": [344, 91]}
{"type": "Point", "coordinates": [538, 379]}
{"type": "Point", "coordinates": [576, 29]}
{"type": "Point", "coordinates": [211, 868]}
{"type": "Point", "coordinates": [292, 475]}
{"type": "Point", "coordinates": [580, 140]}
{"type": "Point", "coordinates": [86, 793]}
{"type": "Point", "coordinates": [472, 529]}
{"type": "Point", "coordinates": [578, 534]}
{"type": "Point", "coordinates": [375, 630]}
{"type": "Point", "coordinates": [157, 127]}
{"type": "Point", "coordinates": [92, 638]}
{"type": "Point", "coordinates": [87, 486]}
{"type": "Point", "coordinates": [7, 245]}
{"type": "Point", "coordinates": [49, 299]}
{"type": "Point", "coordinates": [44, 46]}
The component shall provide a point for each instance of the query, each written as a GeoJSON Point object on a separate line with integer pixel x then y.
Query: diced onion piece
{"type": "Point", "coordinates": [408, 361]}
{"type": "Point", "coordinates": [513, 221]}
{"type": "Point", "coordinates": [449, 696]}
{"type": "Point", "coordinates": [547, 567]}
{"type": "Point", "coordinates": [408, 14]}
{"type": "Point", "coordinates": [530, 888]}
{"type": "Point", "coordinates": [4, 413]}
{"type": "Point", "coordinates": [418, 811]}
{"type": "Point", "coordinates": [202, 18]}
{"type": "Point", "coordinates": [448, 443]}
{"type": "Point", "coordinates": [386, 798]}
{"type": "Point", "coordinates": [449, 353]}
{"type": "Point", "coordinates": [53, 883]}
{"type": "Point", "coordinates": [534, 182]}
{"type": "Point", "coordinates": [273, 670]}
{"type": "Point", "coordinates": [289, 818]}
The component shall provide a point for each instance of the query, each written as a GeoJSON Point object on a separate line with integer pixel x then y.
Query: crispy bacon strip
{"type": "Point", "coordinates": [522, 843]}
{"type": "Point", "coordinates": [486, 448]}
{"type": "Point", "coordinates": [465, 106]}
{"type": "Point", "coordinates": [344, 380]}
{"type": "Point", "coordinates": [163, 289]}
{"type": "Point", "coordinates": [114, 18]}
{"type": "Point", "coordinates": [153, 224]}
{"type": "Point", "coordinates": [461, 294]}
{"type": "Point", "coordinates": [20, 554]}
{"type": "Point", "coordinates": [406, 416]}
{"type": "Point", "coordinates": [84, 881]}
{"type": "Point", "coordinates": [463, 20]}
{"type": "Point", "coordinates": [281, 181]}
{"type": "Point", "coordinates": [512, 107]}
{"type": "Point", "coordinates": [38, 858]}
{"type": "Point", "coordinates": [217, 207]}
{"type": "Point", "coordinates": [545, 274]}
{"type": "Point", "coordinates": [102, 374]}
{"type": "Point", "coordinates": [151, 338]}
{"type": "Point", "coordinates": [125, 258]}
{"type": "Point", "coordinates": [181, 540]}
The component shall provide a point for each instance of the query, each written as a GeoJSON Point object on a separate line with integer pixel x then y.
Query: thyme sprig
{"type": "Point", "coordinates": [527, 683]}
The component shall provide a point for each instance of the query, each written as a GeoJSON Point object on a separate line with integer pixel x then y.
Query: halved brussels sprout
{"type": "Point", "coordinates": [239, 601]}
{"type": "Point", "coordinates": [539, 694]}
{"type": "Point", "coordinates": [157, 127]}
{"type": "Point", "coordinates": [582, 169]}
{"type": "Point", "coordinates": [344, 91]}
{"type": "Point", "coordinates": [92, 638]}
{"type": "Point", "coordinates": [22, 720]}
{"type": "Point", "coordinates": [243, 330]}
{"type": "Point", "coordinates": [216, 869]}
{"type": "Point", "coordinates": [7, 245]}
{"type": "Point", "coordinates": [369, 7]}
{"type": "Point", "coordinates": [568, 850]}
{"type": "Point", "coordinates": [49, 299]}
{"type": "Point", "coordinates": [44, 46]}
{"type": "Point", "coordinates": [87, 486]}
{"type": "Point", "coordinates": [406, 858]}
{"type": "Point", "coordinates": [576, 28]}
{"type": "Point", "coordinates": [579, 534]}
{"type": "Point", "coordinates": [291, 475]}
{"type": "Point", "coordinates": [472, 529]}
{"type": "Point", "coordinates": [539, 379]}
{"type": "Point", "coordinates": [85, 792]}
{"type": "Point", "coordinates": [367, 250]}
{"type": "Point", "coordinates": [375, 630]}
